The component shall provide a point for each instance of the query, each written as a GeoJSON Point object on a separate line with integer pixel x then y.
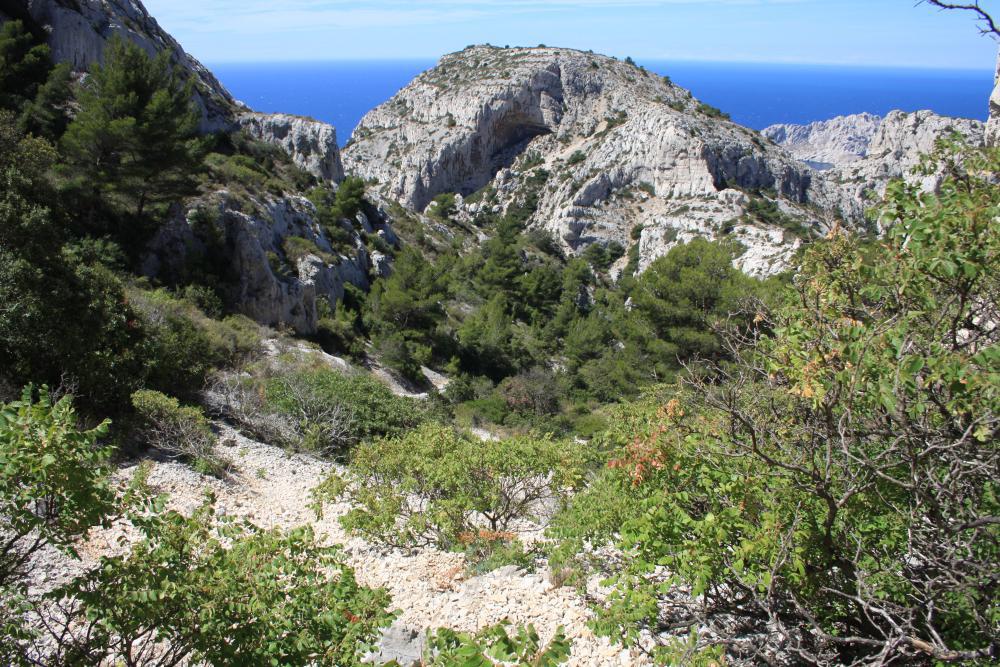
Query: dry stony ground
{"type": "Point", "coordinates": [430, 588]}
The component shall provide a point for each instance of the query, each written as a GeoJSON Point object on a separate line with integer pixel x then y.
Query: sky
{"type": "Point", "coordinates": [855, 32]}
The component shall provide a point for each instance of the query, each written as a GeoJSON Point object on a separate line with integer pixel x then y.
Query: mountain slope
{"type": "Point", "coordinates": [601, 151]}
{"type": "Point", "coordinates": [78, 32]}
{"type": "Point", "coordinates": [864, 152]}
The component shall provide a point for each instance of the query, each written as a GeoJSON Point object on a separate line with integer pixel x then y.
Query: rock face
{"type": "Point", "coordinates": [596, 147]}
{"type": "Point", "coordinates": [993, 125]}
{"type": "Point", "coordinates": [264, 282]}
{"type": "Point", "coordinates": [311, 144]}
{"type": "Point", "coordinates": [827, 143]}
{"type": "Point", "coordinates": [79, 30]}
{"type": "Point", "coordinates": [892, 150]}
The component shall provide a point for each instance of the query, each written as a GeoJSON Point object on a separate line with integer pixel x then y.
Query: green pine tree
{"type": "Point", "coordinates": [134, 140]}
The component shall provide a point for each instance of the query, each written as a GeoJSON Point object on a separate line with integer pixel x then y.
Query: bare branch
{"type": "Point", "coordinates": [988, 27]}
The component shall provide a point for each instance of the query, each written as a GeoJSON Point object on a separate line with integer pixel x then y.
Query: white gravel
{"type": "Point", "coordinates": [430, 588]}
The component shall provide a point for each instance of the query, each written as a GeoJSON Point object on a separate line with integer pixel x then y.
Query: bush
{"type": "Point", "coordinates": [486, 551]}
{"type": "Point", "coordinates": [495, 646]}
{"type": "Point", "coordinates": [53, 489]}
{"type": "Point", "coordinates": [839, 471]}
{"type": "Point", "coordinates": [444, 205]}
{"type": "Point", "coordinates": [711, 112]}
{"type": "Point", "coordinates": [433, 485]}
{"type": "Point", "coordinates": [203, 590]}
{"type": "Point", "coordinates": [576, 158]}
{"type": "Point", "coordinates": [180, 431]}
{"type": "Point", "coordinates": [313, 408]}
{"type": "Point", "coordinates": [535, 392]}
{"type": "Point", "coordinates": [184, 345]}
{"type": "Point", "coordinates": [53, 484]}
{"type": "Point", "coordinates": [297, 248]}
{"type": "Point", "coordinates": [350, 198]}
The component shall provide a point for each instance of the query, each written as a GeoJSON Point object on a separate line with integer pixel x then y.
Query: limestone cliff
{"type": "Point", "coordinates": [78, 32]}
{"type": "Point", "coordinates": [311, 144]}
{"type": "Point", "coordinates": [864, 152]}
{"type": "Point", "coordinates": [249, 241]}
{"type": "Point", "coordinates": [603, 150]}
{"type": "Point", "coordinates": [827, 143]}
{"type": "Point", "coordinates": [993, 125]}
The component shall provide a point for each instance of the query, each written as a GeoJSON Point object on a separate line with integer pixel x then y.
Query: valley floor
{"type": "Point", "coordinates": [270, 488]}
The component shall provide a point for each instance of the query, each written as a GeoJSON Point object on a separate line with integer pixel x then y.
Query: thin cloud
{"type": "Point", "coordinates": [265, 16]}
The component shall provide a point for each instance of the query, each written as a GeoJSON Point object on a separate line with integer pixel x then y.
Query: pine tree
{"type": "Point", "coordinates": [24, 66]}
{"type": "Point", "coordinates": [30, 85]}
{"type": "Point", "coordinates": [135, 136]}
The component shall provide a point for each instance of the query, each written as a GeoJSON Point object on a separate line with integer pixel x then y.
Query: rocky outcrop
{"type": "Point", "coordinates": [993, 124]}
{"type": "Point", "coordinates": [311, 144]}
{"type": "Point", "coordinates": [892, 148]}
{"type": "Point", "coordinates": [827, 143]}
{"type": "Point", "coordinates": [263, 281]}
{"type": "Point", "coordinates": [895, 151]}
{"type": "Point", "coordinates": [594, 146]}
{"type": "Point", "coordinates": [78, 32]}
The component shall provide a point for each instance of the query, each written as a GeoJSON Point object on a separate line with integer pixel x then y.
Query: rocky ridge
{"type": "Point", "coordinates": [863, 152]}
{"type": "Point", "coordinates": [827, 143]}
{"type": "Point", "coordinates": [599, 147]}
{"type": "Point", "coordinates": [78, 32]}
{"type": "Point", "coordinates": [311, 144]}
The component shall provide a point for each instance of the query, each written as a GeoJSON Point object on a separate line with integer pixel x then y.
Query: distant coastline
{"type": "Point", "coordinates": [754, 94]}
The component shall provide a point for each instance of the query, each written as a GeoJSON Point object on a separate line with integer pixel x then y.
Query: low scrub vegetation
{"type": "Point", "coordinates": [830, 492]}
{"type": "Point", "coordinates": [311, 407]}
{"type": "Point", "coordinates": [438, 486]}
{"type": "Point", "coordinates": [181, 431]}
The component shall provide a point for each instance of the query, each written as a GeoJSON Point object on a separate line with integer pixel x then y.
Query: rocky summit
{"type": "Point", "coordinates": [601, 150]}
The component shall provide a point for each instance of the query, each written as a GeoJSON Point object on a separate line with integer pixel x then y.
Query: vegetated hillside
{"type": "Point", "coordinates": [723, 468]}
{"type": "Point", "coordinates": [602, 150]}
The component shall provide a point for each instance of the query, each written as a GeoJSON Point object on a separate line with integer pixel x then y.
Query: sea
{"type": "Point", "coordinates": [755, 95]}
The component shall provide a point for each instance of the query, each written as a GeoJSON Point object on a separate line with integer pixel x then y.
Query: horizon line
{"type": "Point", "coordinates": [655, 59]}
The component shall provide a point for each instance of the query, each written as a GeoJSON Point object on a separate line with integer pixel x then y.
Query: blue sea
{"type": "Point", "coordinates": [756, 95]}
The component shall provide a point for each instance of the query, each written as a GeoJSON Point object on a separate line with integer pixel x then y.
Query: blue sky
{"type": "Point", "coordinates": [860, 32]}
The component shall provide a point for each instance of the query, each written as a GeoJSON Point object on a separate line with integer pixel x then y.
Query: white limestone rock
{"type": "Point", "coordinates": [993, 124]}
{"type": "Point", "coordinates": [252, 239]}
{"type": "Point", "coordinates": [622, 147]}
{"type": "Point", "coordinates": [895, 151]}
{"type": "Point", "coordinates": [310, 143]}
{"type": "Point", "coordinates": [79, 31]}
{"type": "Point", "coordinates": [827, 143]}
{"type": "Point", "coordinates": [863, 155]}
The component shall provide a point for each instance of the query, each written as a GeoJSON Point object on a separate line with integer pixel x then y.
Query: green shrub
{"type": "Point", "coordinates": [297, 248]}
{"type": "Point", "coordinates": [214, 591]}
{"type": "Point", "coordinates": [53, 489]}
{"type": "Point", "coordinates": [444, 205]}
{"type": "Point", "coordinates": [435, 485]}
{"type": "Point", "coordinates": [576, 158]}
{"type": "Point", "coordinates": [490, 409]}
{"type": "Point", "coordinates": [711, 112]}
{"type": "Point", "coordinates": [184, 345]}
{"type": "Point", "coordinates": [495, 645]}
{"type": "Point", "coordinates": [313, 408]}
{"type": "Point", "coordinates": [486, 551]}
{"type": "Point", "coordinates": [836, 466]}
{"type": "Point", "coordinates": [53, 484]}
{"type": "Point", "coordinates": [180, 431]}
